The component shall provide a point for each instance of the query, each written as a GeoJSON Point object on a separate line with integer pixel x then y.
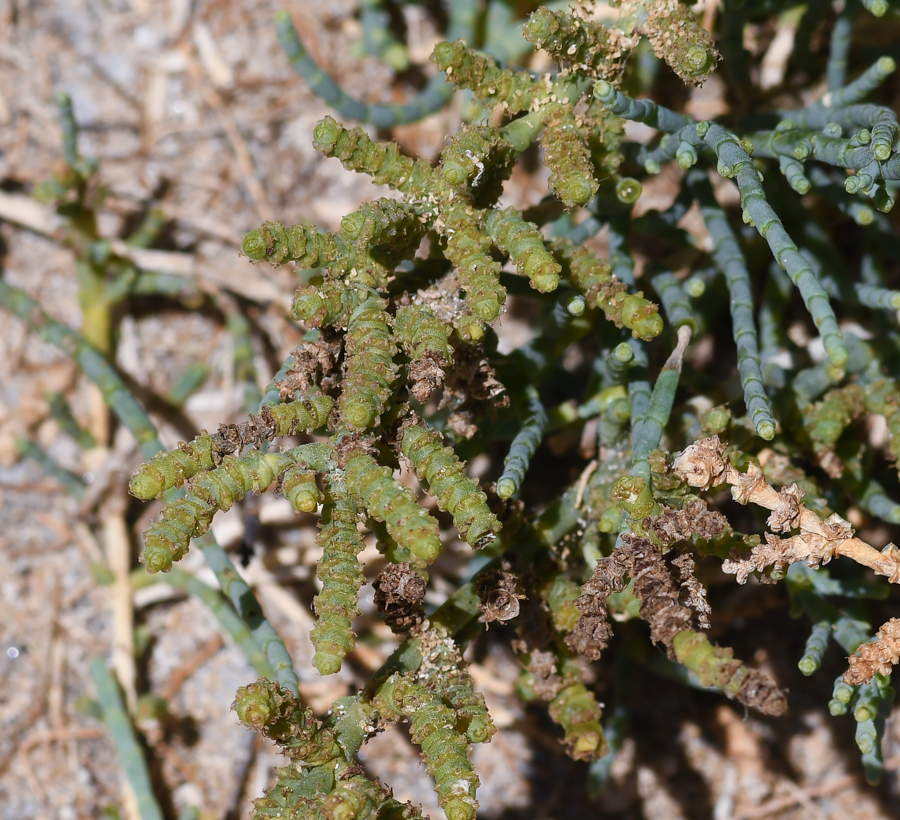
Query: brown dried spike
{"type": "Point", "coordinates": [691, 592]}
{"type": "Point", "coordinates": [653, 584]}
{"type": "Point", "coordinates": [877, 657]}
{"type": "Point", "coordinates": [499, 593]}
{"type": "Point", "coordinates": [400, 597]}
{"type": "Point", "coordinates": [670, 624]}
{"type": "Point", "coordinates": [592, 632]}
{"type": "Point", "coordinates": [679, 525]}
{"type": "Point", "coordinates": [314, 364]}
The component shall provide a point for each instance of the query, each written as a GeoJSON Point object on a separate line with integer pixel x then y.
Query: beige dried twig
{"type": "Point", "coordinates": [703, 465]}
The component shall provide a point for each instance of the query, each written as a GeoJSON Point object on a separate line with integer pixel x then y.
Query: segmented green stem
{"type": "Point", "coordinates": [523, 446]}
{"type": "Point", "coordinates": [94, 365]}
{"type": "Point", "coordinates": [814, 651]}
{"type": "Point", "coordinates": [839, 47]}
{"type": "Point", "coordinates": [675, 302]}
{"type": "Point", "coordinates": [647, 433]}
{"type": "Point", "coordinates": [247, 607]}
{"type": "Point", "coordinates": [129, 751]}
{"type": "Point", "coordinates": [432, 98]}
{"type": "Point", "coordinates": [867, 82]}
{"type": "Point", "coordinates": [378, 38]}
{"type": "Point", "coordinates": [734, 162]}
{"type": "Point", "coordinates": [72, 482]}
{"type": "Point", "coordinates": [730, 261]}
{"type": "Point", "coordinates": [645, 111]}
{"type": "Point", "coordinates": [214, 600]}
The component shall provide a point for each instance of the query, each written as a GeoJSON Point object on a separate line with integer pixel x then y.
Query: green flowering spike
{"type": "Point", "coordinates": [295, 794]}
{"type": "Point", "coordinates": [472, 719]}
{"type": "Point", "coordinates": [442, 472]}
{"type": "Point", "coordinates": [382, 161]}
{"type": "Point", "coordinates": [883, 397]}
{"type": "Point", "coordinates": [328, 304]}
{"type": "Point", "coordinates": [827, 419]}
{"type": "Point", "coordinates": [302, 244]}
{"type": "Point", "coordinates": [576, 710]}
{"type": "Point", "coordinates": [595, 279]}
{"type": "Point", "coordinates": [480, 74]}
{"type": "Point", "coordinates": [167, 540]}
{"type": "Point", "coordinates": [381, 234]}
{"type": "Point", "coordinates": [386, 500]}
{"type": "Point", "coordinates": [370, 369]}
{"type": "Point", "coordinates": [301, 416]}
{"type": "Point", "coordinates": [300, 488]}
{"type": "Point", "coordinates": [523, 243]}
{"type": "Point", "coordinates": [432, 728]}
{"type": "Point", "coordinates": [478, 157]}
{"type": "Point", "coordinates": [568, 157]}
{"type": "Point", "coordinates": [278, 714]}
{"type": "Point", "coordinates": [355, 798]}
{"type": "Point", "coordinates": [479, 274]}
{"type": "Point", "coordinates": [172, 469]}
{"type": "Point", "coordinates": [444, 672]}
{"type": "Point", "coordinates": [421, 334]}
{"type": "Point", "coordinates": [341, 577]}
{"type": "Point", "coordinates": [168, 470]}
{"type": "Point", "coordinates": [678, 37]}
{"type": "Point", "coordinates": [575, 43]}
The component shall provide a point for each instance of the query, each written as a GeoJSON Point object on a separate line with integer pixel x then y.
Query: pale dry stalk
{"type": "Point", "coordinates": [703, 465]}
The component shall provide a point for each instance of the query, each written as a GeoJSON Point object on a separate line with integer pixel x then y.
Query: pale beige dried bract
{"type": "Point", "coordinates": [877, 657]}
{"type": "Point", "coordinates": [702, 465]}
{"type": "Point", "coordinates": [785, 517]}
{"type": "Point", "coordinates": [745, 486]}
